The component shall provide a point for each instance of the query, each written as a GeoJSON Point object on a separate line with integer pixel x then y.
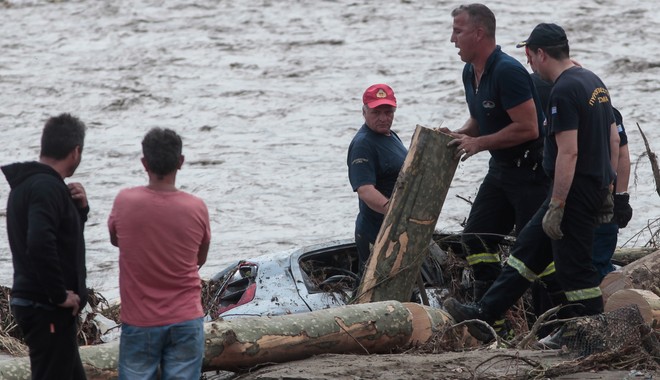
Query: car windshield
{"type": "Point", "coordinates": [330, 269]}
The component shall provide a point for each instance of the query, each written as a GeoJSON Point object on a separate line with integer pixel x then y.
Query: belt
{"type": "Point", "coordinates": [17, 301]}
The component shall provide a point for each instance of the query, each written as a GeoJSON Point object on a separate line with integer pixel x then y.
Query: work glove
{"type": "Point", "coordinates": [622, 210]}
{"type": "Point", "coordinates": [552, 219]}
{"type": "Point", "coordinates": [606, 211]}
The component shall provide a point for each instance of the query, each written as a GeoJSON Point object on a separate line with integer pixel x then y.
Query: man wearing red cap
{"type": "Point", "coordinates": [375, 158]}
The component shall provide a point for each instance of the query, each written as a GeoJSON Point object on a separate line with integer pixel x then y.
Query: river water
{"type": "Point", "coordinates": [267, 97]}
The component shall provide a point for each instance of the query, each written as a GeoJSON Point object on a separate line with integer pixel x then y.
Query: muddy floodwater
{"type": "Point", "coordinates": [267, 96]}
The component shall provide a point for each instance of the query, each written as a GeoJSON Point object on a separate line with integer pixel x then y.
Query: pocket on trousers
{"type": "Point", "coordinates": [188, 340]}
{"type": "Point", "coordinates": [135, 350]}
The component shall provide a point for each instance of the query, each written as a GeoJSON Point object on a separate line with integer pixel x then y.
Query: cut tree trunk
{"type": "Point", "coordinates": [373, 328]}
{"type": "Point", "coordinates": [243, 343]}
{"type": "Point", "coordinates": [640, 274]}
{"type": "Point", "coordinates": [407, 229]}
{"type": "Point", "coordinates": [647, 302]}
{"type": "Point", "coordinates": [100, 362]}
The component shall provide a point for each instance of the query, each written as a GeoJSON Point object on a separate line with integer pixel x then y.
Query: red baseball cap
{"type": "Point", "coordinates": [377, 95]}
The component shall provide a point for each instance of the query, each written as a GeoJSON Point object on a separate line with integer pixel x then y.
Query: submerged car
{"type": "Point", "coordinates": [305, 279]}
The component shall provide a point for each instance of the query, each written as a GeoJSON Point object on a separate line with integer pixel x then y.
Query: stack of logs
{"type": "Point", "coordinates": [636, 283]}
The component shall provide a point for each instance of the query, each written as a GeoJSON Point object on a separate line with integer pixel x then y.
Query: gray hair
{"type": "Point", "coordinates": [480, 15]}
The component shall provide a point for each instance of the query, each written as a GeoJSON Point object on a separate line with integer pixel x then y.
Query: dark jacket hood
{"type": "Point", "coordinates": [17, 173]}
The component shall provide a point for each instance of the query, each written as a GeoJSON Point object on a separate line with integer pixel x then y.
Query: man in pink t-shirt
{"type": "Point", "coordinates": [163, 236]}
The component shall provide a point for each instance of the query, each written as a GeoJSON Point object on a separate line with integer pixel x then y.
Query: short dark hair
{"type": "Point", "coordinates": [557, 52]}
{"type": "Point", "coordinates": [162, 150]}
{"type": "Point", "coordinates": [479, 15]}
{"type": "Point", "coordinates": [61, 135]}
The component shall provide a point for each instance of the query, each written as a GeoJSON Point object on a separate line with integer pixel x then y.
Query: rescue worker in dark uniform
{"type": "Point", "coordinates": [506, 119]}
{"type": "Point", "coordinates": [606, 234]}
{"type": "Point", "coordinates": [582, 171]}
{"type": "Point", "coordinates": [375, 157]}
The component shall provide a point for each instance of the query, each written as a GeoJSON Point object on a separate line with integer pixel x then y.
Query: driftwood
{"type": "Point", "coordinates": [100, 362]}
{"type": "Point", "coordinates": [640, 274]}
{"type": "Point", "coordinates": [244, 343]}
{"type": "Point", "coordinates": [647, 302]}
{"type": "Point", "coordinates": [654, 160]}
{"type": "Point", "coordinates": [407, 230]}
{"type": "Point", "coordinates": [372, 328]}
{"type": "Point", "coordinates": [625, 256]}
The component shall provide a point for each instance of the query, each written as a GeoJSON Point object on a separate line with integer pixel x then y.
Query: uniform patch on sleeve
{"type": "Point", "coordinates": [359, 161]}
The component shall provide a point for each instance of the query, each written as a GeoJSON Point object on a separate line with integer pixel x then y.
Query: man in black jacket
{"type": "Point", "coordinates": [45, 220]}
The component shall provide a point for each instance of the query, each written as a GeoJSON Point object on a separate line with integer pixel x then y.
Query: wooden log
{"type": "Point", "coordinates": [428, 322]}
{"type": "Point", "coordinates": [407, 230]}
{"type": "Point", "coordinates": [243, 343]}
{"type": "Point", "coordinates": [647, 301]}
{"type": "Point", "coordinates": [628, 255]}
{"type": "Point", "coordinates": [640, 274]}
{"type": "Point", "coordinates": [100, 362]}
{"type": "Point", "coordinates": [613, 282]}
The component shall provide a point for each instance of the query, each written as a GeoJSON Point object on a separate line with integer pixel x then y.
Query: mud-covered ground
{"type": "Point", "coordinates": [475, 364]}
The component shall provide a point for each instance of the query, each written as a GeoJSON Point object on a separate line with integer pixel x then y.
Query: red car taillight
{"type": "Point", "coordinates": [247, 296]}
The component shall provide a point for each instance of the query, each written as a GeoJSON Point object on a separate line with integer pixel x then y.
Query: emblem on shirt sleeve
{"type": "Point", "coordinates": [359, 161]}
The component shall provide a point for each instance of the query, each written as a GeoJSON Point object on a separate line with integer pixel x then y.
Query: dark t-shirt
{"type": "Point", "coordinates": [580, 101]}
{"type": "Point", "coordinates": [543, 89]}
{"type": "Point", "coordinates": [374, 159]}
{"type": "Point", "coordinates": [504, 84]}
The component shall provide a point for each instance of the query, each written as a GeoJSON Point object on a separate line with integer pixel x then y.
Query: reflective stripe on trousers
{"type": "Point", "coordinates": [480, 258]}
{"type": "Point", "coordinates": [572, 295]}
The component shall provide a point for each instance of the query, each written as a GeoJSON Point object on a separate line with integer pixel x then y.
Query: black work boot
{"type": "Point", "coordinates": [463, 312]}
{"type": "Point", "coordinates": [479, 288]}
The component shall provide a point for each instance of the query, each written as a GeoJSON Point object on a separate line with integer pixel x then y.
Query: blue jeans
{"type": "Point", "coordinates": [178, 349]}
{"type": "Point", "coordinates": [605, 239]}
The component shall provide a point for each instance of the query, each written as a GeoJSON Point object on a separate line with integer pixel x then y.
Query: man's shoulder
{"type": "Point", "coordinates": [506, 64]}
{"type": "Point", "coordinates": [46, 185]}
{"type": "Point", "coordinates": [361, 139]}
{"type": "Point", "coordinates": [131, 191]}
{"type": "Point", "coordinates": [577, 83]}
{"type": "Point", "coordinates": [190, 197]}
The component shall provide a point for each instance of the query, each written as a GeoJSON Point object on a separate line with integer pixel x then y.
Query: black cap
{"type": "Point", "coordinates": [545, 35]}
